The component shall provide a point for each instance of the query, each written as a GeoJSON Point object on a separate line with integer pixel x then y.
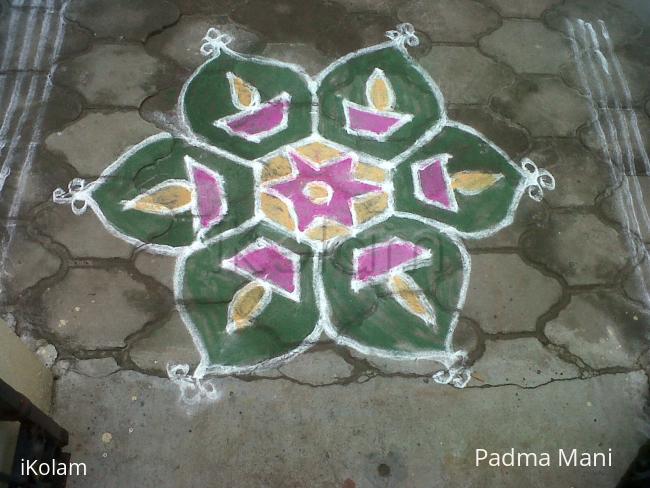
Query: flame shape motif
{"type": "Point", "coordinates": [473, 182]}
{"type": "Point", "coordinates": [167, 198]}
{"type": "Point", "coordinates": [379, 92]}
{"type": "Point", "coordinates": [411, 297]}
{"type": "Point", "coordinates": [243, 94]}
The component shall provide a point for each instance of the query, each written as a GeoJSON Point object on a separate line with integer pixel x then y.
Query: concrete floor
{"type": "Point", "coordinates": [557, 322]}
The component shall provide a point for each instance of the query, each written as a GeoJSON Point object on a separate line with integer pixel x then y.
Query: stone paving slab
{"type": "Point", "coordinates": [384, 432]}
{"type": "Point", "coordinates": [464, 74]}
{"type": "Point", "coordinates": [554, 325]}
{"type": "Point", "coordinates": [114, 75]}
{"type": "Point", "coordinates": [514, 305]}
{"type": "Point", "coordinates": [133, 20]}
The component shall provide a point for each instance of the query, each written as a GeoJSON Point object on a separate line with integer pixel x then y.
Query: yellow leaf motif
{"type": "Point", "coordinates": [473, 182]}
{"type": "Point", "coordinates": [243, 95]}
{"type": "Point", "coordinates": [168, 198]}
{"type": "Point", "coordinates": [410, 296]}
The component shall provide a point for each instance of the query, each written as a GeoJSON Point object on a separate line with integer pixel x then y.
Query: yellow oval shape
{"type": "Point", "coordinates": [246, 304]}
{"type": "Point", "coordinates": [411, 297]}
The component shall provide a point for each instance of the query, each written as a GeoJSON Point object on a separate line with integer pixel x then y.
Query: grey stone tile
{"type": "Point", "coordinates": [97, 139]}
{"type": "Point", "coordinates": [543, 105]}
{"type": "Point", "coordinates": [381, 6]}
{"type": "Point", "coordinates": [634, 149]}
{"type": "Point", "coordinates": [371, 28]}
{"type": "Point", "coordinates": [206, 7]}
{"type": "Point", "coordinates": [512, 139]}
{"type": "Point", "coordinates": [628, 205]}
{"type": "Point", "coordinates": [633, 72]}
{"type": "Point", "coordinates": [183, 41]}
{"type": "Point", "coordinates": [527, 46]}
{"type": "Point", "coordinates": [47, 172]}
{"type": "Point", "coordinates": [123, 20]}
{"type": "Point", "coordinates": [317, 368]}
{"type": "Point", "coordinates": [114, 74]}
{"type": "Point", "coordinates": [97, 308]}
{"type": "Point", "coordinates": [34, 33]}
{"type": "Point", "coordinates": [529, 214]}
{"type": "Point", "coordinates": [579, 247]}
{"type": "Point", "coordinates": [158, 266]}
{"type": "Point", "coordinates": [354, 428]}
{"type": "Point", "coordinates": [169, 343]}
{"type": "Point", "coordinates": [522, 8]}
{"type": "Point", "coordinates": [305, 55]}
{"type": "Point", "coordinates": [450, 20]}
{"type": "Point", "coordinates": [161, 109]}
{"type": "Point", "coordinates": [419, 367]}
{"type": "Point", "coordinates": [466, 338]}
{"type": "Point", "coordinates": [506, 295]}
{"type": "Point", "coordinates": [602, 329]}
{"type": "Point", "coordinates": [83, 235]}
{"type": "Point", "coordinates": [27, 263]}
{"type": "Point", "coordinates": [464, 75]}
{"type": "Point", "coordinates": [637, 284]}
{"type": "Point", "coordinates": [524, 362]}
{"type": "Point", "coordinates": [326, 25]}
{"type": "Point", "coordinates": [580, 175]}
{"type": "Point", "coordinates": [621, 23]}
{"type": "Point", "coordinates": [95, 368]}
{"type": "Point", "coordinates": [62, 106]}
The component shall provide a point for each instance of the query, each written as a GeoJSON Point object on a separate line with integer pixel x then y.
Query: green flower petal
{"type": "Point", "coordinates": [208, 289]}
{"type": "Point", "coordinates": [415, 95]}
{"type": "Point", "coordinates": [482, 182]}
{"type": "Point", "coordinates": [208, 102]}
{"type": "Point", "coordinates": [158, 161]}
{"type": "Point", "coordinates": [372, 319]}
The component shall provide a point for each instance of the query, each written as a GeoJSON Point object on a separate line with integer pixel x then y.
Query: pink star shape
{"type": "Point", "coordinates": [338, 176]}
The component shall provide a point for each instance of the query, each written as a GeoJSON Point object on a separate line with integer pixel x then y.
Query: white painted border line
{"type": "Point", "coordinates": [602, 138]}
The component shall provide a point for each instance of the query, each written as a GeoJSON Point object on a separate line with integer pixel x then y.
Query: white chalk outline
{"type": "Point", "coordinates": [527, 180]}
{"type": "Point", "coordinates": [378, 74]}
{"type": "Point", "coordinates": [418, 166]}
{"type": "Point", "coordinates": [222, 123]}
{"type": "Point", "coordinates": [401, 120]}
{"type": "Point", "coordinates": [598, 99]}
{"type": "Point", "coordinates": [422, 260]}
{"type": "Point", "coordinates": [36, 135]}
{"type": "Point", "coordinates": [231, 326]}
{"type": "Point", "coordinates": [429, 317]}
{"type": "Point", "coordinates": [301, 236]}
{"type": "Point", "coordinates": [234, 96]}
{"type": "Point", "coordinates": [464, 191]}
{"type": "Point", "coordinates": [264, 243]}
{"type": "Point", "coordinates": [205, 366]}
{"type": "Point", "coordinates": [448, 357]}
{"type": "Point", "coordinates": [130, 204]}
{"type": "Point", "coordinates": [186, 128]}
{"type": "Point", "coordinates": [190, 164]}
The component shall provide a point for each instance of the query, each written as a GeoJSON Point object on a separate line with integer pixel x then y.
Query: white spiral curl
{"type": "Point", "coordinates": [537, 180]}
{"type": "Point", "coordinates": [213, 41]}
{"type": "Point", "coordinates": [76, 196]}
{"type": "Point", "coordinates": [404, 34]}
